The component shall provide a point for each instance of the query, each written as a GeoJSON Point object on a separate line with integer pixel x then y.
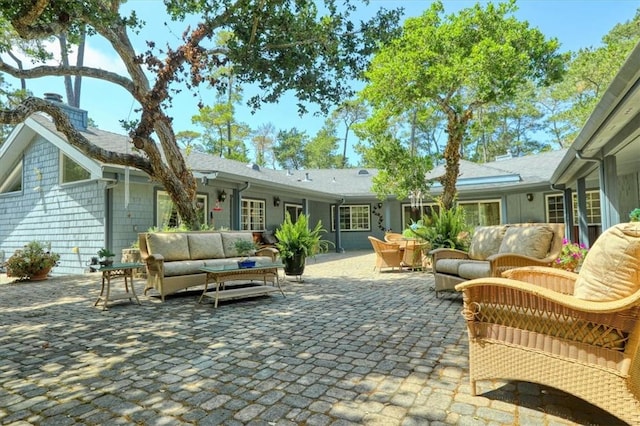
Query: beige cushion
{"type": "Point", "coordinates": [486, 241]}
{"type": "Point", "coordinates": [449, 266]}
{"type": "Point", "coordinates": [172, 246]}
{"type": "Point", "coordinates": [229, 240]}
{"type": "Point", "coordinates": [183, 267]}
{"type": "Point", "coordinates": [472, 269]}
{"type": "Point", "coordinates": [611, 269]}
{"type": "Point", "coordinates": [206, 245]}
{"type": "Point", "coordinates": [532, 241]}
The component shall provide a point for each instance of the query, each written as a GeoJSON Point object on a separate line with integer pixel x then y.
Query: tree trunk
{"type": "Point", "coordinates": [456, 125]}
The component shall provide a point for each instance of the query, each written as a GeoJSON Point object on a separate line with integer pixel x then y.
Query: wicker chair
{"type": "Point", "coordinates": [388, 255]}
{"type": "Point", "coordinates": [415, 254]}
{"type": "Point", "coordinates": [575, 332]}
{"type": "Point", "coordinates": [393, 237]}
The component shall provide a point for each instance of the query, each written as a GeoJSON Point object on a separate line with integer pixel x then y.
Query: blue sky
{"type": "Point", "coordinates": [576, 23]}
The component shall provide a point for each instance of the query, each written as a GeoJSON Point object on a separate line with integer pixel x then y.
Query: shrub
{"type": "Point", "coordinates": [31, 260]}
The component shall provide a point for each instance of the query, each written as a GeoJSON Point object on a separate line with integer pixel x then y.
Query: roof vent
{"type": "Point", "coordinates": [306, 178]}
{"type": "Point", "coordinates": [253, 166]}
{"type": "Point", "coordinates": [53, 97]}
{"type": "Point", "coordinates": [363, 172]}
{"type": "Point", "coordinates": [503, 157]}
{"type": "Point", "coordinates": [289, 172]}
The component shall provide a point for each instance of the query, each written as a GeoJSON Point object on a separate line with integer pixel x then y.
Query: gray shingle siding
{"type": "Point", "coordinates": [66, 216]}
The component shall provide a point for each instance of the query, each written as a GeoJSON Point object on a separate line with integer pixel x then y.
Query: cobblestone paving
{"type": "Point", "coordinates": [347, 346]}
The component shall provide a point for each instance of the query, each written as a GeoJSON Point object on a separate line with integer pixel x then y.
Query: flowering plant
{"type": "Point", "coordinates": [634, 216]}
{"type": "Point", "coordinates": [33, 258]}
{"type": "Point", "coordinates": [571, 256]}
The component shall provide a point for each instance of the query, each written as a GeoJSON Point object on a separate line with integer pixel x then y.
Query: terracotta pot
{"type": "Point", "coordinates": [41, 275]}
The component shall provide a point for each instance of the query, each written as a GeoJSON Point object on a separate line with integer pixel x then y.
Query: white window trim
{"type": "Point", "coordinates": [574, 200]}
{"type": "Point", "coordinates": [486, 200]}
{"type": "Point", "coordinates": [16, 173]}
{"type": "Point", "coordinates": [61, 168]}
{"type": "Point", "coordinates": [403, 207]}
{"type": "Point", "coordinates": [333, 213]}
{"type": "Point", "coordinates": [244, 222]}
{"type": "Point", "coordinates": [199, 196]}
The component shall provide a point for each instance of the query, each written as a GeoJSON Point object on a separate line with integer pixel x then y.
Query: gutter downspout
{"type": "Point", "coordinates": [108, 209]}
{"type": "Point", "coordinates": [236, 202]}
{"type": "Point", "coordinates": [336, 225]}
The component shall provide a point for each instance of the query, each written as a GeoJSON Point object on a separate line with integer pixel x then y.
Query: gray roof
{"type": "Point", "coordinates": [353, 182]}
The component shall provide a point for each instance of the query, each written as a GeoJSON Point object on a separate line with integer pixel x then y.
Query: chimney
{"type": "Point", "coordinates": [78, 117]}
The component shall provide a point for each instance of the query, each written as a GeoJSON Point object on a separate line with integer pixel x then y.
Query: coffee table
{"type": "Point", "coordinates": [223, 273]}
{"type": "Point", "coordinates": [117, 270]}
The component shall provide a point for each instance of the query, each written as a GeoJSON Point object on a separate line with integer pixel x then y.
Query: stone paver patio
{"type": "Point", "coordinates": [346, 346]}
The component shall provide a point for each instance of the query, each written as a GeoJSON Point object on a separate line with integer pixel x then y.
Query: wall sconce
{"type": "Point", "coordinates": [222, 196]}
{"type": "Point", "coordinates": [529, 197]}
{"type": "Point", "coordinates": [276, 201]}
{"type": "Point", "coordinates": [204, 180]}
{"type": "Point", "coordinates": [379, 205]}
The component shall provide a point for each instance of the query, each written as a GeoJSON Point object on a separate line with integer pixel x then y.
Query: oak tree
{"type": "Point", "coordinates": [455, 64]}
{"type": "Point", "coordinates": [313, 49]}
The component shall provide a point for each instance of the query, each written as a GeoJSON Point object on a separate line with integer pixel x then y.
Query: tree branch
{"type": "Point", "coordinates": [32, 105]}
{"type": "Point", "coordinates": [44, 71]}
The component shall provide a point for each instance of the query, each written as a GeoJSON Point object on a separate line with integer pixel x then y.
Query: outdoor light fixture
{"type": "Point", "coordinates": [529, 197]}
{"type": "Point", "coordinates": [379, 205]}
{"type": "Point", "coordinates": [276, 201]}
{"type": "Point", "coordinates": [204, 180]}
{"type": "Point", "coordinates": [222, 196]}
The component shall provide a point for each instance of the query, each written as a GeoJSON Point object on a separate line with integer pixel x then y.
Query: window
{"type": "Point", "coordinates": [555, 208]}
{"type": "Point", "coordinates": [72, 171]}
{"type": "Point", "coordinates": [353, 218]}
{"type": "Point", "coordinates": [14, 181]}
{"type": "Point", "coordinates": [252, 215]}
{"type": "Point", "coordinates": [482, 213]}
{"type": "Point", "coordinates": [410, 214]}
{"type": "Point", "coordinates": [167, 214]}
{"type": "Point", "coordinates": [294, 210]}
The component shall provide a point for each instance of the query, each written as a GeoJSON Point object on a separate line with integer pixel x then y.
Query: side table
{"type": "Point", "coordinates": [124, 270]}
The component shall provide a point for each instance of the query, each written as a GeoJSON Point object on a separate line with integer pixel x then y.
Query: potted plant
{"type": "Point", "coordinates": [107, 256]}
{"type": "Point", "coordinates": [32, 262]}
{"type": "Point", "coordinates": [296, 242]}
{"type": "Point", "coordinates": [245, 248]}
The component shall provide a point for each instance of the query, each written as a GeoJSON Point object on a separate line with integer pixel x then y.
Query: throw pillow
{"type": "Point", "coordinates": [229, 241]}
{"type": "Point", "coordinates": [611, 269]}
{"type": "Point", "coordinates": [486, 241]}
{"type": "Point", "coordinates": [531, 241]}
{"type": "Point", "coordinates": [171, 245]}
{"type": "Point", "coordinates": [206, 245]}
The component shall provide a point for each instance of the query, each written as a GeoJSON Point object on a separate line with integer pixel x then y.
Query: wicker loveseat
{"type": "Point", "coordinates": [495, 249]}
{"type": "Point", "coordinates": [173, 259]}
{"type": "Point", "coordinates": [579, 333]}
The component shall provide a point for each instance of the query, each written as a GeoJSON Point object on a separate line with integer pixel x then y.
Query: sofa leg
{"type": "Point", "coordinates": [473, 387]}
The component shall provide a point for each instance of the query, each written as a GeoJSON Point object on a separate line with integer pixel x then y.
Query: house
{"type": "Point", "coordinates": [52, 192]}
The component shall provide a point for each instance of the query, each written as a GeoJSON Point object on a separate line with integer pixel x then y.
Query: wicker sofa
{"type": "Point", "coordinates": [173, 259]}
{"type": "Point", "coordinates": [579, 333]}
{"type": "Point", "coordinates": [495, 249]}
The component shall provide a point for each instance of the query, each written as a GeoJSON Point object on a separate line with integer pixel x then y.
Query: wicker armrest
{"type": "Point", "coordinates": [272, 252]}
{"type": "Point", "coordinates": [506, 291]}
{"type": "Point", "coordinates": [558, 280]}
{"type": "Point", "coordinates": [155, 262]}
{"type": "Point", "coordinates": [445, 253]}
{"type": "Point", "coordinates": [505, 261]}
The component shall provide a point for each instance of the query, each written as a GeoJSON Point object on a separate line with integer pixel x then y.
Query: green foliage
{"type": "Point", "coordinates": [289, 149]}
{"type": "Point", "coordinates": [444, 228]}
{"type": "Point", "coordinates": [297, 238]}
{"type": "Point", "coordinates": [105, 252]}
{"type": "Point", "coordinates": [245, 247]}
{"type": "Point", "coordinates": [571, 256]}
{"type": "Point", "coordinates": [451, 64]}
{"type": "Point", "coordinates": [634, 216]}
{"type": "Point", "coordinates": [30, 260]}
